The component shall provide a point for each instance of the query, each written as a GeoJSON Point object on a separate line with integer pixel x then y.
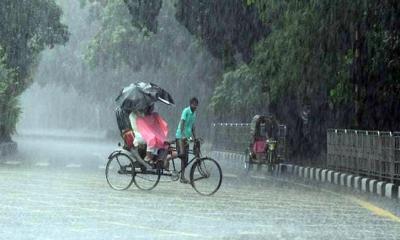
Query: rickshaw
{"type": "Point", "coordinates": [267, 143]}
{"type": "Point", "coordinates": [126, 165]}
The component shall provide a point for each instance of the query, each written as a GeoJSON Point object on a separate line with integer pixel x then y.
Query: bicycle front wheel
{"type": "Point", "coordinates": [206, 176]}
{"type": "Point", "coordinates": [119, 171]}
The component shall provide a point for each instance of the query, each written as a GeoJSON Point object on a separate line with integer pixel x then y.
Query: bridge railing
{"type": "Point", "coordinates": [374, 154]}
{"type": "Point", "coordinates": [236, 138]}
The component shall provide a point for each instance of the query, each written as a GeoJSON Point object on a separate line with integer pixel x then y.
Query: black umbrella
{"type": "Point", "coordinates": [139, 96]}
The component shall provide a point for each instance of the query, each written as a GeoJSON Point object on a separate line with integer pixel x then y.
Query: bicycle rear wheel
{"type": "Point", "coordinates": [146, 179]}
{"type": "Point", "coordinates": [206, 176]}
{"type": "Point", "coordinates": [119, 171]}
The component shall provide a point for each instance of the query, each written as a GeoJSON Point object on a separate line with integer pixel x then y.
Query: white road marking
{"type": "Point", "coordinates": [42, 164]}
{"type": "Point", "coordinates": [258, 177]}
{"type": "Point", "coordinates": [73, 165]}
{"type": "Point", "coordinates": [12, 162]}
{"type": "Point", "coordinates": [229, 175]}
{"type": "Point", "coordinates": [151, 228]}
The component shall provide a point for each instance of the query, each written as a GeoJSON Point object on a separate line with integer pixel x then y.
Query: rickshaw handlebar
{"type": "Point", "coordinates": [191, 140]}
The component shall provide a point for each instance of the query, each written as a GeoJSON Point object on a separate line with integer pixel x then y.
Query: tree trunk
{"type": "Point", "coordinates": [360, 74]}
{"type": "Point", "coordinates": [4, 133]}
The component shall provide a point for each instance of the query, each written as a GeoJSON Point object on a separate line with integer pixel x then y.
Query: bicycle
{"type": "Point", "coordinates": [126, 167]}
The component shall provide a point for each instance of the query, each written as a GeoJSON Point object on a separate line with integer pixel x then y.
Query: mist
{"type": "Point", "coordinates": [68, 94]}
{"type": "Point", "coordinates": [296, 129]}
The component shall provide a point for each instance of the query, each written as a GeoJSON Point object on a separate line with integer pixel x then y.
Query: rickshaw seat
{"type": "Point", "coordinates": [259, 146]}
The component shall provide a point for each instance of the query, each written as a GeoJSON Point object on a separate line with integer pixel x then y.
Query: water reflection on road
{"type": "Point", "coordinates": [55, 189]}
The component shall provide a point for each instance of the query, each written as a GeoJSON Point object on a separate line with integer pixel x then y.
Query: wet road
{"type": "Point", "coordinates": [56, 189]}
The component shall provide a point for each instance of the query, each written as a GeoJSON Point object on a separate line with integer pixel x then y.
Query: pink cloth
{"type": "Point", "coordinates": [259, 146]}
{"type": "Point", "coordinates": [154, 130]}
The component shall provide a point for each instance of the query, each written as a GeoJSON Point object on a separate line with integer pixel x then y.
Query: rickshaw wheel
{"type": "Point", "coordinates": [270, 168]}
{"type": "Point", "coordinates": [271, 161]}
{"type": "Point", "coordinates": [259, 167]}
{"type": "Point", "coordinates": [247, 163]}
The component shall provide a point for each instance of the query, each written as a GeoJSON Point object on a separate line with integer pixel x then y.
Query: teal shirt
{"type": "Point", "coordinates": [189, 117]}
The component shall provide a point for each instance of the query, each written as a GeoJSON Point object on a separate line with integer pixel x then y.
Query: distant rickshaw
{"type": "Point", "coordinates": [267, 143]}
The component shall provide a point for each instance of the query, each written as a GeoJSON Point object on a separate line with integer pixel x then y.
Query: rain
{"type": "Point", "coordinates": [185, 119]}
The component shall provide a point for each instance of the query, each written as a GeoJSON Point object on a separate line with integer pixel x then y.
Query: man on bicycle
{"type": "Point", "coordinates": [185, 131]}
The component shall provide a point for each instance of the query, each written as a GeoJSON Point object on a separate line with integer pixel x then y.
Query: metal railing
{"type": "Point", "coordinates": [230, 137]}
{"type": "Point", "coordinates": [235, 137]}
{"type": "Point", "coordinates": [366, 153]}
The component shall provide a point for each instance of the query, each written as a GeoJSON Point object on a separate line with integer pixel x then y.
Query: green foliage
{"type": "Point", "coordinates": [339, 52]}
{"type": "Point", "coordinates": [292, 59]}
{"type": "Point", "coordinates": [10, 116]}
{"type": "Point", "coordinates": [120, 53]}
{"type": "Point", "coordinates": [339, 59]}
{"type": "Point", "coordinates": [228, 28]}
{"type": "Point", "coordinates": [26, 29]}
{"type": "Point", "coordinates": [238, 91]}
{"type": "Point", "coordinates": [119, 42]}
{"type": "Point", "coordinates": [144, 13]}
{"type": "Point", "coordinates": [341, 91]}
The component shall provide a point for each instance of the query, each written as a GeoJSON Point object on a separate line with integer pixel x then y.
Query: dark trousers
{"type": "Point", "coordinates": [182, 147]}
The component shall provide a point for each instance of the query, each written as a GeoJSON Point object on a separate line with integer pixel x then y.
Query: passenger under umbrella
{"type": "Point", "coordinates": [150, 129]}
